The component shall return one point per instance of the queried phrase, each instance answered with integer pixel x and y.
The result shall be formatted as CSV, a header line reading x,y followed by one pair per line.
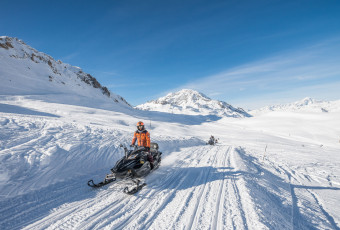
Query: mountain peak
x,y
306,101
182,97
190,92
191,102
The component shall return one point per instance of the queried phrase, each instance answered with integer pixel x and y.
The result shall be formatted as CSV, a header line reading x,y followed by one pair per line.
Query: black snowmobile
x,y
132,166
212,141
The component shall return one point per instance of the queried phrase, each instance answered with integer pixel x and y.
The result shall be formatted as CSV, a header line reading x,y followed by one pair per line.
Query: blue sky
x,y
247,53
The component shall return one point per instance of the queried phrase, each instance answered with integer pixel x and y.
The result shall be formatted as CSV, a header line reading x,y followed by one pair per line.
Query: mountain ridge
x,y
306,104
28,71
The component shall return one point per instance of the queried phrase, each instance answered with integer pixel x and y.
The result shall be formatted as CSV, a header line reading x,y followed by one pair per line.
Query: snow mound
x,y
26,71
191,102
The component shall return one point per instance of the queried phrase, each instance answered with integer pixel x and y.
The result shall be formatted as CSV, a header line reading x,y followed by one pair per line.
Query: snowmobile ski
x,y
135,189
108,179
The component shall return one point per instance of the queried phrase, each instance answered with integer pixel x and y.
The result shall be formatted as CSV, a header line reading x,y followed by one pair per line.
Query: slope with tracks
x,y
196,188
48,156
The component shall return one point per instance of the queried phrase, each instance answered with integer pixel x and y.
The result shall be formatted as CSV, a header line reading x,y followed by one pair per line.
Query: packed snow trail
x,y
196,188
202,187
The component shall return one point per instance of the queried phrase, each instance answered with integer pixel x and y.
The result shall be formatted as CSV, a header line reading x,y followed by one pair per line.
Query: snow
x,y
279,169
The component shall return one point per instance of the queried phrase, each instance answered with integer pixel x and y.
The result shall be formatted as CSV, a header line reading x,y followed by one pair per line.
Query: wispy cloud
x,y
310,68
328,91
69,56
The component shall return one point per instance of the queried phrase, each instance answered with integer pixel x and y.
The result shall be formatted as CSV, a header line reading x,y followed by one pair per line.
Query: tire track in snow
x,y
169,194
202,193
182,198
219,210
141,206
97,208
236,209
97,214
17,211
206,217
305,199
296,215
135,204
326,214
65,215
73,215
239,203
149,215
200,204
167,201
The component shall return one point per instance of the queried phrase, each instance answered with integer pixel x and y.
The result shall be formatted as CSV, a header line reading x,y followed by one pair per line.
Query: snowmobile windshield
x,y
138,149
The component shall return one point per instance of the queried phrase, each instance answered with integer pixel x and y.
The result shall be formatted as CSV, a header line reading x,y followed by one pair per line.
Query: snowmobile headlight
x,y
132,157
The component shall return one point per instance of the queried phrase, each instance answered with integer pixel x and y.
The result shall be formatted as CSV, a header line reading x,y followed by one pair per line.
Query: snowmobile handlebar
x,y
125,149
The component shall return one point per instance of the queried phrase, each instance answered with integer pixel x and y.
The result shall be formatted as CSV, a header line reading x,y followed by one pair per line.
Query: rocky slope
x,y
26,71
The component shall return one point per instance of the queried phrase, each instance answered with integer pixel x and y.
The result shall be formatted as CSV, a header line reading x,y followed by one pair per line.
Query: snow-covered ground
x,y
277,170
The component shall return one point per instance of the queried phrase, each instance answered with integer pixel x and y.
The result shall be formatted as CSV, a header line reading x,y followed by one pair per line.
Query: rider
x,y
143,139
212,139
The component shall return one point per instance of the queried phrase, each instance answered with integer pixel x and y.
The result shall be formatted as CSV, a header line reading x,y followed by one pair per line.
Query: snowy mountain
x,y
187,101
305,105
26,71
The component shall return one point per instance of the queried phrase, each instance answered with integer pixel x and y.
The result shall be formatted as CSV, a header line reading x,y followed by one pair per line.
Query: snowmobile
x,y
212,141
132,166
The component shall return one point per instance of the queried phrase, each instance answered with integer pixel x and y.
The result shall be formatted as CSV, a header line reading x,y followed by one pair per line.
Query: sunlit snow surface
x,y
276,170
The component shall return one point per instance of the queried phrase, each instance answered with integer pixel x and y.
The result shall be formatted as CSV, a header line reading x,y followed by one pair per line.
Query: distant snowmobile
x,y
132,166
212,141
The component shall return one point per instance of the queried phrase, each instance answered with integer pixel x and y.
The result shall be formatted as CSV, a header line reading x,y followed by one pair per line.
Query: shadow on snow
x,y
5,108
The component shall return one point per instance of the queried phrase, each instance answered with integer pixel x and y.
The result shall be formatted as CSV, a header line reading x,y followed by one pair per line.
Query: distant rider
x,y
143,139
212,140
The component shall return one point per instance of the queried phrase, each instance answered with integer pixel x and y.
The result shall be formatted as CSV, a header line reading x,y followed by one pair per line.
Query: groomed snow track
x,y
202,187
201,191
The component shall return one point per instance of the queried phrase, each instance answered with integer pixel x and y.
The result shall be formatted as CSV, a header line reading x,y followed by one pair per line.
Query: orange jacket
x,y
143,138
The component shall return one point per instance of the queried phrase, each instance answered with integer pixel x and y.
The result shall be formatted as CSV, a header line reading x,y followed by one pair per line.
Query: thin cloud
x,y
69,56
316,65
321,92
